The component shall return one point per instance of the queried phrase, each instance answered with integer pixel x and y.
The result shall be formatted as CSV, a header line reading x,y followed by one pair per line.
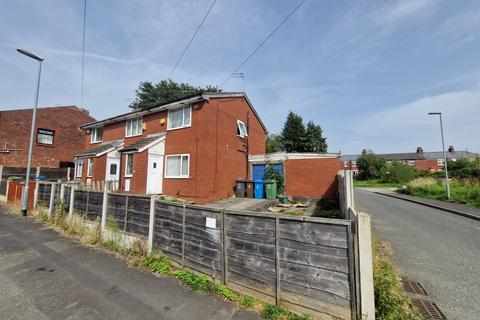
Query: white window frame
x,y
89,167
139,129
94,135
411,163
128,155
241,125
169,127
181,176
79,170
441,162
354,163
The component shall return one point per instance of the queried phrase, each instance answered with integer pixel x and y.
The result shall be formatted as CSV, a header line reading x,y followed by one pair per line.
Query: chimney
x,y
451,149
420,150
364,152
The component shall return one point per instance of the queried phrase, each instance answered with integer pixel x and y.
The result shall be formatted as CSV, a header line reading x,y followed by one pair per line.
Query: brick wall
x,y
68,138
427,165
316,178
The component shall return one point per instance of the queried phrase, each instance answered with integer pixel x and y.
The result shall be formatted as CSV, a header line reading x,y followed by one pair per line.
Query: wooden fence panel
x,y
168,229
95,203
314,266
250,248
202,243
80,202
138,215
44,190
116,210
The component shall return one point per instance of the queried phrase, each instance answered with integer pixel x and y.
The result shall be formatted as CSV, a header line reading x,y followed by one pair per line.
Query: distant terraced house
x,y
429,161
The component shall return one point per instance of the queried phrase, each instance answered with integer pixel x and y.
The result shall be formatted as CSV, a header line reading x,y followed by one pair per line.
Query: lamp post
x,y
30,147
439,114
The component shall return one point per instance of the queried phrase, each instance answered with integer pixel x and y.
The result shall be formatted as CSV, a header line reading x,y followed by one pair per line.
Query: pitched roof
x,y
142,143
100,149
175,103
416,156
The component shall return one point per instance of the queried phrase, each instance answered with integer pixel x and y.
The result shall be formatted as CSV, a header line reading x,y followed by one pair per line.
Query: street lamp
x,y
30,147
444,153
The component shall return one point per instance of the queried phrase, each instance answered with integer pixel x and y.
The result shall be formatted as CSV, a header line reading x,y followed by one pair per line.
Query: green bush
x,y
197,283
370,166
271,312
272,174
391,302
397,172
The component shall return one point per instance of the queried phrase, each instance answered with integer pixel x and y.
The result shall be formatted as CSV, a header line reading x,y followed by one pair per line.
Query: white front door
x,y
155,174
113,171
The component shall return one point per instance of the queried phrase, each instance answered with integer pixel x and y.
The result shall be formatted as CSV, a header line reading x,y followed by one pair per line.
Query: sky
x,y
368,72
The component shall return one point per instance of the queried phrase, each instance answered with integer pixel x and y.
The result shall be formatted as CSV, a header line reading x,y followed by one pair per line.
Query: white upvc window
x,y
241,129
177,166
134,127
179,118
411,163
45,136
129,165
441,162
79,169
89,167
96,135
354,163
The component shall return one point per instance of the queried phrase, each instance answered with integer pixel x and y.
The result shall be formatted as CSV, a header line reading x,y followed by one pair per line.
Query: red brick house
x,y
57,136
194,148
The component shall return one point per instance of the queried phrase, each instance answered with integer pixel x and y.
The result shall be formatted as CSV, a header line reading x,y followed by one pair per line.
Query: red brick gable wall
x,y
316,178
68,139
427,165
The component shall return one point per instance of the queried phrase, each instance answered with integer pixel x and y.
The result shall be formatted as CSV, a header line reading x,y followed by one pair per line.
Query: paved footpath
x,y
46,276
439,249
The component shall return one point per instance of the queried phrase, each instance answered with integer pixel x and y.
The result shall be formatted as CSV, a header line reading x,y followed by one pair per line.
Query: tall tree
x,y
148,95
315,142
273,143
293,133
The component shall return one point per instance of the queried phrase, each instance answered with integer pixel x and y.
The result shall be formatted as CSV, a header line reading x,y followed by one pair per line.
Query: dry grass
x,y
422,182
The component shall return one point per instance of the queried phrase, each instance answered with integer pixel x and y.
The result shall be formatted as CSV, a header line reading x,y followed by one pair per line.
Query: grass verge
x,y
375,183
391,302
466,191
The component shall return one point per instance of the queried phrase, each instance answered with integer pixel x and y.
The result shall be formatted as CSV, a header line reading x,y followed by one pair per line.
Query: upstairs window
x,y
411,163
134,127
96,135
180,118
441,162
241,129
45,136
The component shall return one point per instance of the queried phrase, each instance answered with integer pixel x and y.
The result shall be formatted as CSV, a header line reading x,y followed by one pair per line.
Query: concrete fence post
x,y
367,299
1,172
151,223
62,192
68,173
51,206
104,211
37,173
72,199
35,194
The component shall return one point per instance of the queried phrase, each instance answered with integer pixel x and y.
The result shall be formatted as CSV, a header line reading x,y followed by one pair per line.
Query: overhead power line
x,y
263,42
191,40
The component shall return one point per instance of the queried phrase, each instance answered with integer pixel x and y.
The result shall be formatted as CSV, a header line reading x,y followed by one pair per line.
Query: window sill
x,y
136,135
177,177
91,142
243,137
183,127
131,176
45,145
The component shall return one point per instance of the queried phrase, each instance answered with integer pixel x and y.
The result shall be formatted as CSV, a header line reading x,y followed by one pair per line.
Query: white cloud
x,y
404,127
403,9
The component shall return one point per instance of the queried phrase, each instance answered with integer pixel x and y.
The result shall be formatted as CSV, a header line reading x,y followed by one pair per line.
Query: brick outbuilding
x,y
194,148
306,175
